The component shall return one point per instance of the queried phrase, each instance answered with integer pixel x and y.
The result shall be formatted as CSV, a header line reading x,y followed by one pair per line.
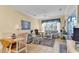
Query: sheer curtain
x,y
51,26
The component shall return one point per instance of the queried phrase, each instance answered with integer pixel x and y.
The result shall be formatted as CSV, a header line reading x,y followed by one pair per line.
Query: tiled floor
x,y
59,47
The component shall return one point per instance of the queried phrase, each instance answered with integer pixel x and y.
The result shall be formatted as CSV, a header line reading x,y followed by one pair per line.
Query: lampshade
x,y
18,27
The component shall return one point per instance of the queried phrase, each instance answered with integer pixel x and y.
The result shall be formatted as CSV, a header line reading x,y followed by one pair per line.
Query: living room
x,y
42,28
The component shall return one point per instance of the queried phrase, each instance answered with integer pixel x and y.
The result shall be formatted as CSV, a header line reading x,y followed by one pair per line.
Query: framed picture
x,y
25,25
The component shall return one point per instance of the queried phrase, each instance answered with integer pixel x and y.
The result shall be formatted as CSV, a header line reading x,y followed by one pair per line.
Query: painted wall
x,y
77,16
10,18
62,21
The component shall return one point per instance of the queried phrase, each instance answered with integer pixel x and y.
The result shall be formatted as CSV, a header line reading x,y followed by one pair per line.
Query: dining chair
x,y
17,45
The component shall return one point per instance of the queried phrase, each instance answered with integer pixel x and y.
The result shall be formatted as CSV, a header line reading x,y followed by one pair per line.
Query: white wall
x,y
10,18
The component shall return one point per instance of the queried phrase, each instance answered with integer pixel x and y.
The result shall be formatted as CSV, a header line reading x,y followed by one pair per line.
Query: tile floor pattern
x,y
59,47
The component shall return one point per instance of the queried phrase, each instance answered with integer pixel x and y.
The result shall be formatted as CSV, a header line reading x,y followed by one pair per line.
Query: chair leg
x,y
9,50
4,50
26,49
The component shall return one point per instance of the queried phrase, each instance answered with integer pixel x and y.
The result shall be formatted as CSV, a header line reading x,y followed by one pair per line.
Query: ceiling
x,y
42,12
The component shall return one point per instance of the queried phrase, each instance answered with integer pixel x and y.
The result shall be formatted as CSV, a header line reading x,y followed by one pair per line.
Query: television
x,y
25,25
75,34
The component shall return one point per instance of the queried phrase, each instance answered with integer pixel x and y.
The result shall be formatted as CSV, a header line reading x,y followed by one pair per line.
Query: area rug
x,y
48,42
63,48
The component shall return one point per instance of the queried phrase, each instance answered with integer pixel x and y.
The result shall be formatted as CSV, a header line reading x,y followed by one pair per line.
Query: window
x,y
71,24
50,26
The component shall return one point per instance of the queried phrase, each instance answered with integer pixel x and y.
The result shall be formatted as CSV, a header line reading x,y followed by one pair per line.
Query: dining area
x,y
13,44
